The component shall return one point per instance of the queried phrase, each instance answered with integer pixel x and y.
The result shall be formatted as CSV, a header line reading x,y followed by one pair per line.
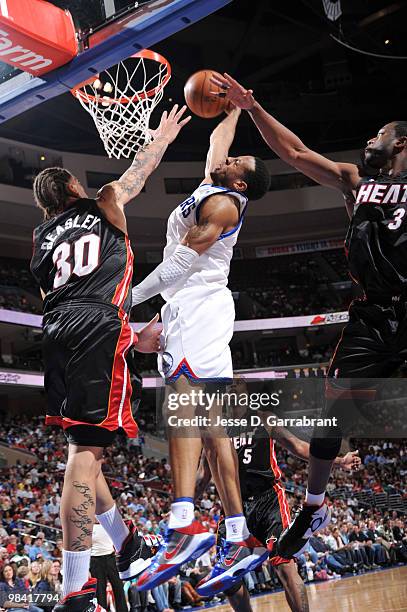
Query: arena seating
x,y
288,285
29,497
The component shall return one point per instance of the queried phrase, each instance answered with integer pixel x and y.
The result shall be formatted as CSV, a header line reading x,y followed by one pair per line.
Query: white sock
x,y
75,567
114,525
314,500
236,528
182,514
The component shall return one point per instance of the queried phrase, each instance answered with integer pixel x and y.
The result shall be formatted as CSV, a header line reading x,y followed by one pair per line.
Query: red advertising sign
x,y
36,36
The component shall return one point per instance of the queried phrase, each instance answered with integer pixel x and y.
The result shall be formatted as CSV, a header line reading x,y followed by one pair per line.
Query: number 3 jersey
x,y
211,269
79,257
376,243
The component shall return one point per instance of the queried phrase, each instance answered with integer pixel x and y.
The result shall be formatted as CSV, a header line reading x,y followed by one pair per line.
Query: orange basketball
x,y
198,97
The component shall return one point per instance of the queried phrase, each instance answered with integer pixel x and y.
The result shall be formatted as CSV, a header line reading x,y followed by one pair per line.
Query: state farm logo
x,y
333,317
23,58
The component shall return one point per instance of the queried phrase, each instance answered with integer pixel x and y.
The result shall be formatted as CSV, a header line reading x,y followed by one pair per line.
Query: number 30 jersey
x,y
376,243
211,269
79,257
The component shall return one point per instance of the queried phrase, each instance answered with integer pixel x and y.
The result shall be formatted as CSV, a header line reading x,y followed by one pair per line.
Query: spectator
x,y
103,567
14,594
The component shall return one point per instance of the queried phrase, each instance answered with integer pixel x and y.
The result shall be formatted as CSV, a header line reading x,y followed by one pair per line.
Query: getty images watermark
x,y
204,409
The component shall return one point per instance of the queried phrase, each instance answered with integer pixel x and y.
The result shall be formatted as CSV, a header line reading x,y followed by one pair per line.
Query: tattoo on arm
x,y
82,516
147,160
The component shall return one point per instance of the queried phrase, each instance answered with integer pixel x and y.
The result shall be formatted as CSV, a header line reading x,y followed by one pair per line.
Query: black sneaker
x,y
310,519
80,601
135,554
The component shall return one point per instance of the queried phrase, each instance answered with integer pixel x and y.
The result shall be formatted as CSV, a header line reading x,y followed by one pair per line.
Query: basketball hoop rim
x,y
145,54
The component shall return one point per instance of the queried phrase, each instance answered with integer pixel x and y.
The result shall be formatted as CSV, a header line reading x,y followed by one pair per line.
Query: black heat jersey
x,y
376,242
79,257
258,469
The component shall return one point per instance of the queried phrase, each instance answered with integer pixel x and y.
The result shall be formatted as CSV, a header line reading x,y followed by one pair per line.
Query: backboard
x,y
108,31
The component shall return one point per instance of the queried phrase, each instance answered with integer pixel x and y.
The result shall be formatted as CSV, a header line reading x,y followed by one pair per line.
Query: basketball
x,y
198,97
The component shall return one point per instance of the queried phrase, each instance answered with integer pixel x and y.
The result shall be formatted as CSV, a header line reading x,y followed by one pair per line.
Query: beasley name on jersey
x,y
78,255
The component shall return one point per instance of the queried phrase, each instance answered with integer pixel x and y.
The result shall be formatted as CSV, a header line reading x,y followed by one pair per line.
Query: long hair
x,y
51,191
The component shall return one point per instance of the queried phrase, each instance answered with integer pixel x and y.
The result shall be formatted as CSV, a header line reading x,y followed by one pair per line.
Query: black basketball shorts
x,y
267,516
87,378
374,341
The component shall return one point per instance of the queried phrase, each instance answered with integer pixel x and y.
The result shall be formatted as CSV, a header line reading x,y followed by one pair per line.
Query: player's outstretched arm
x,y
217,214
114,196
220,142
286,144
299,448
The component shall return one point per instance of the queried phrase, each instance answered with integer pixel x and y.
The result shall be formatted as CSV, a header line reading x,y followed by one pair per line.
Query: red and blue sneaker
x,y
235,559
179,547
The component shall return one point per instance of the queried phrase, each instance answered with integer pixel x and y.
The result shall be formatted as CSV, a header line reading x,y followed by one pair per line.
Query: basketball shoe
x,y
179,547
135,554
234,560
80,601
308,520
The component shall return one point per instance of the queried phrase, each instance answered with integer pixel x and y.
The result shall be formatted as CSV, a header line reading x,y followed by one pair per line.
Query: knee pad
x,y
325,448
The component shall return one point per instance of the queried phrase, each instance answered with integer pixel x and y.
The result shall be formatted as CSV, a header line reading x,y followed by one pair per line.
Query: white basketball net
x,y
120,101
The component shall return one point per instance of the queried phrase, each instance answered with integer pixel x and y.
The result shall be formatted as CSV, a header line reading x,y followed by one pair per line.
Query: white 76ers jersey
x,y
211,269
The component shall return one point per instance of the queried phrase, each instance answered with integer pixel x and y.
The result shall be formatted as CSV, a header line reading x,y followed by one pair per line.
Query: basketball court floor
x,y
383,590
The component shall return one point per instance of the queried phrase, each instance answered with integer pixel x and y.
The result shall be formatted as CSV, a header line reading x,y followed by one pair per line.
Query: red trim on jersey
x,y
181,365
122,288
273,461
120,387
275,561
53,420
282,502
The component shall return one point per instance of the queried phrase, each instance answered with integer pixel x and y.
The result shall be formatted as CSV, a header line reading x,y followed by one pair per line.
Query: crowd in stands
x,y
283,286
361,536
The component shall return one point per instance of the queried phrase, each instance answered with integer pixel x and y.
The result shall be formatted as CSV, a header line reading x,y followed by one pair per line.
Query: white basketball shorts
x,y
197,329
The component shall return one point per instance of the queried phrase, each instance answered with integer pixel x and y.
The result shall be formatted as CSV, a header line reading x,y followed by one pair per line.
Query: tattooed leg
x,y
78,502
294,588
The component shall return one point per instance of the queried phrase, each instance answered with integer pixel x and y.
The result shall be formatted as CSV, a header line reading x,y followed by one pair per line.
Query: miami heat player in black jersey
x,y
374,342
263,493
83,262
80,257
84,266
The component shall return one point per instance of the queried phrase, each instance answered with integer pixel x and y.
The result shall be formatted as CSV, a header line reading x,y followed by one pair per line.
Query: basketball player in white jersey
x,y
198,323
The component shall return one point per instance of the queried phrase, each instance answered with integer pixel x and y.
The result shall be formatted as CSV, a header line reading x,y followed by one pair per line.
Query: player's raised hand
x,y
233,91
351,461
149,337
171,124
